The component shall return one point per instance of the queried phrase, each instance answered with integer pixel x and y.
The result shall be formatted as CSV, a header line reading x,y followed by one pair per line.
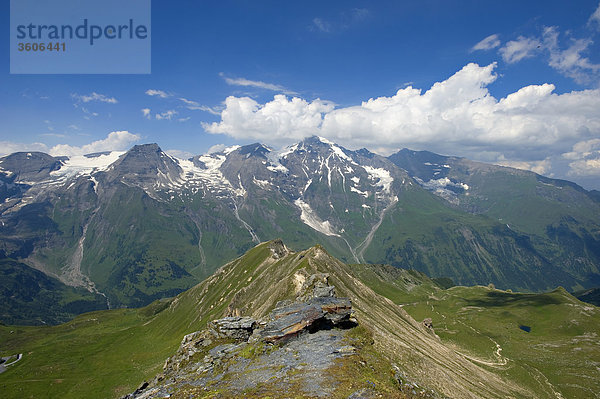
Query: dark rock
x,y
278,249
364,393
428,323
235,327
312,315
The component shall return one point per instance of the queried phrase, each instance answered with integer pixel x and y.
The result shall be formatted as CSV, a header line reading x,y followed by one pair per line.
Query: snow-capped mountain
x,y
142,224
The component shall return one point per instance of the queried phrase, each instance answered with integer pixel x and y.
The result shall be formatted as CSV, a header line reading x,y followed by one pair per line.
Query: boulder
x,y
290,320
239,328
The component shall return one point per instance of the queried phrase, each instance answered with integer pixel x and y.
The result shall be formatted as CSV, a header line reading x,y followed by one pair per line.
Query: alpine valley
x,y
111,230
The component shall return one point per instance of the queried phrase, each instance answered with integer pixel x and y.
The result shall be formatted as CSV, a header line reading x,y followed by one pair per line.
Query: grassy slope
x,y
559,354
422,233
106,354
31,297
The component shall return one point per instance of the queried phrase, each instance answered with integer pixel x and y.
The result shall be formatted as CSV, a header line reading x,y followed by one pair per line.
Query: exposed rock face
x,y
278,249
204,357
239,328
428,323
293,319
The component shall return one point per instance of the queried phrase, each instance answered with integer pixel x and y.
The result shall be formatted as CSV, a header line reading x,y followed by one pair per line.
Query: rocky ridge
x,y
294,345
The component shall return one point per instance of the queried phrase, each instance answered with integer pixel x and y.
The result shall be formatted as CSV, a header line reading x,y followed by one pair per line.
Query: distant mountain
x,y
590,296
141,225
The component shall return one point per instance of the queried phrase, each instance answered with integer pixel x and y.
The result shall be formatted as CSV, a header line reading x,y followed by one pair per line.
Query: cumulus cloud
x,y
516,50
457,116
540,167
585,157
115,141
146,112
8,147
490,42
180,154
86,98
216,148
157,93
280,120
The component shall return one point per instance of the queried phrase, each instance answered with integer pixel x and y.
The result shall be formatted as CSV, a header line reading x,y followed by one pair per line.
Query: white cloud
x,y
595,18
279,120
539,167
344,20
168,115
490,42
570,61
158,93
586,158
255,83
195,106
86,98
187,118
456,116
8,147
180,154
216,148
146,112
516,50
115,141
585,167
321,25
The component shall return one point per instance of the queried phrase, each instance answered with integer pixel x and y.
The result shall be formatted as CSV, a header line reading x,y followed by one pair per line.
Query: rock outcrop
x,y
309,334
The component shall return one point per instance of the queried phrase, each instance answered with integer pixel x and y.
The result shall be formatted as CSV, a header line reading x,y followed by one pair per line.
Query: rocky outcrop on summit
x,y
236,354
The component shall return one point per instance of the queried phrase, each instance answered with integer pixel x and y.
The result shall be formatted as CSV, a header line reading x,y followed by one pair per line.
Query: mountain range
x,y
122,229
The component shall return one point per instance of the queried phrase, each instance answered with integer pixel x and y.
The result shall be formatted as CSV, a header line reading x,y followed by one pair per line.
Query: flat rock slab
x,y
233,327
290,320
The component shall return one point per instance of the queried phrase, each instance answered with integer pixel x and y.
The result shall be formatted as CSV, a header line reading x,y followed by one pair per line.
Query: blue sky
x,y
514,83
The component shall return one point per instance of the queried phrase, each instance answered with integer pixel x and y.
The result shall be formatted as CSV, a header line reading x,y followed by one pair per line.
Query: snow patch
x,y
363,193
444,182
261,183
355,179
381,176
310,218
231,149
86,165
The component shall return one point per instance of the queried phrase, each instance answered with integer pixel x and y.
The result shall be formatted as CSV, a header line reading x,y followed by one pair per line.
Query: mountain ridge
x,y
140,225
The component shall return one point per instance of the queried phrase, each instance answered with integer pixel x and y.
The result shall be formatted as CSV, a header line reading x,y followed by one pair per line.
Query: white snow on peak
x,y
381,176
324,140
310,218
86,165
355,179
231,149
286,151
209,179
275,157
